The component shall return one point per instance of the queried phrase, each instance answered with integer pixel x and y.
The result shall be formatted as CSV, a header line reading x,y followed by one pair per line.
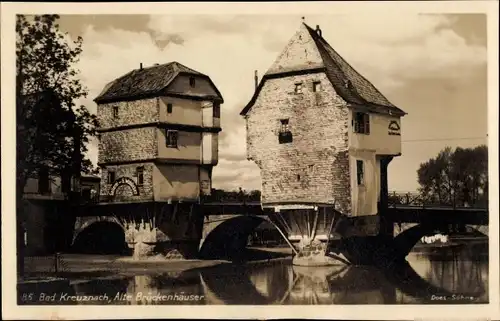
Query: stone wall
x,y
129,170
314,167
134,112
128,144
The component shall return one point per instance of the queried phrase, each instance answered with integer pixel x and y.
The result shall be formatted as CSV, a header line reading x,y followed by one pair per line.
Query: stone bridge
x,y
212,235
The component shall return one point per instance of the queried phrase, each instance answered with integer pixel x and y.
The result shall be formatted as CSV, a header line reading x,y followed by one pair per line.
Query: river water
x,y
432,276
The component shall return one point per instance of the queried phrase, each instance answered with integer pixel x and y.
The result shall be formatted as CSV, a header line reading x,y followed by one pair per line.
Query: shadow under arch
x,y
406,240
101,237
381,250
229,239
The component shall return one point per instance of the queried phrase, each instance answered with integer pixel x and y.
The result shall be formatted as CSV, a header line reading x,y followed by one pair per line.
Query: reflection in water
x,y
424,279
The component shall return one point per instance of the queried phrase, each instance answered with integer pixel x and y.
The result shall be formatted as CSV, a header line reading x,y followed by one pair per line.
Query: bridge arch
x,y
406,240
227,236
99,235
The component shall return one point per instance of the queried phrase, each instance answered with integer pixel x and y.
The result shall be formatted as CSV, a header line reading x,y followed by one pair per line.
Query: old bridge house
x,y
158,144
322,136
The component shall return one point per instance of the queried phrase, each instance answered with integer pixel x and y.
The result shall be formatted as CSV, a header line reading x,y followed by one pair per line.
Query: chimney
x,y
256,78
318,30
140,66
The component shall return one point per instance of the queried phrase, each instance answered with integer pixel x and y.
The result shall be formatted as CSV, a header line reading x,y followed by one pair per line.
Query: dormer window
x,y
316,86
361,123
298,88
284,134
192,82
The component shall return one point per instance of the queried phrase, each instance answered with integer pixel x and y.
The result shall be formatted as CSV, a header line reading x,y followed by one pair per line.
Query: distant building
x,y
319,131
158,130
47,217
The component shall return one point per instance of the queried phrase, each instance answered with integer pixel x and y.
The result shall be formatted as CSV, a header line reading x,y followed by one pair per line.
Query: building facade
x,y
158,144
319,132
158,134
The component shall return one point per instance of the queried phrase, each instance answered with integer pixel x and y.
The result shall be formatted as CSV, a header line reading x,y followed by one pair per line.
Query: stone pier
x,y
165,231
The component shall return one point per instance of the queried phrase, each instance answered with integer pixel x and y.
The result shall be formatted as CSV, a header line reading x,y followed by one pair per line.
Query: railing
x,y
231,198
395,199
416,199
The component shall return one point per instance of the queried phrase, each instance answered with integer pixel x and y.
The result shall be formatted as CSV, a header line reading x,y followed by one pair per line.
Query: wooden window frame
x,y
284,134
116,112
299,87
317,86
175,138
216,110
360,172
361,123
140,175
111,177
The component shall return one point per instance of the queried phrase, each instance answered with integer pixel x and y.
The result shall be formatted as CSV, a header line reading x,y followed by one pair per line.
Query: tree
x,y
456,178
52,132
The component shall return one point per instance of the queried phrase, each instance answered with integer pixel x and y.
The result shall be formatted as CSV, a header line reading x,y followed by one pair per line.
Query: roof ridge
x,y
350,66
145,81
350,84
344,68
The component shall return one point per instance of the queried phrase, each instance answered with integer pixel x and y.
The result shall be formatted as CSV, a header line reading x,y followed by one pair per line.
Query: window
x,y
217,110
361,123
140,175
284,125
192,82
86,194
298,88
171,139
317,86
360,170
111,177
284,134
43,181
115,111
169,108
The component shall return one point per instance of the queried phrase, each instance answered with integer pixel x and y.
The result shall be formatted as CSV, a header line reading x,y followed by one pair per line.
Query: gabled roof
x,y
146,82
321,57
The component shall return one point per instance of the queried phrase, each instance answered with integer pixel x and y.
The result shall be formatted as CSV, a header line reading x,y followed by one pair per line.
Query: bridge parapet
x,y
420,200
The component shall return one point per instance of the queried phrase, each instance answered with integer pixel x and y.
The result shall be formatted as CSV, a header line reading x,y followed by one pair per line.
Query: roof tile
x,y
143,81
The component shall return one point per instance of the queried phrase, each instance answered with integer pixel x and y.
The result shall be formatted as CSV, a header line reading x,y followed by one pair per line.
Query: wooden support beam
x,y
315,224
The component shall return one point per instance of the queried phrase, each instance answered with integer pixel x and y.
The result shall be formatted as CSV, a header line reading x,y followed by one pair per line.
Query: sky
x,y
434,67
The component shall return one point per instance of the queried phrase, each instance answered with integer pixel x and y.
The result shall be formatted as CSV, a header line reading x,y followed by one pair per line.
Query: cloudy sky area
x,y
431,66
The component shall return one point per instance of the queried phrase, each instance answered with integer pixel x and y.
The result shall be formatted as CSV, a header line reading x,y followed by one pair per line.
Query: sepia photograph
x,y
317,157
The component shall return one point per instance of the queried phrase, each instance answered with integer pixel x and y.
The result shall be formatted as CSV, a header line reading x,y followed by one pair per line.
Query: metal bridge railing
x,y
416,199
